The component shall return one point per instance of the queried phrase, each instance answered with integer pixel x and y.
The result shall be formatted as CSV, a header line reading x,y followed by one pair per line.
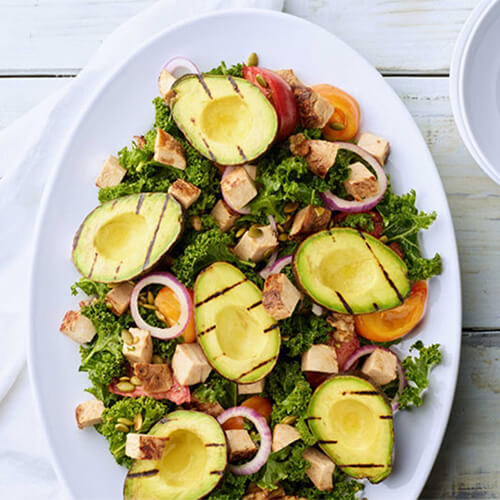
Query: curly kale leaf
x,y
90,288
222,69
230,487
344,488
357,221
340,171
217,389
301,331
417,371
151,411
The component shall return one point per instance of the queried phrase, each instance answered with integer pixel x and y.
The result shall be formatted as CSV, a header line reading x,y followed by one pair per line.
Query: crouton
x,y
141,348
321,470
224,216
283,435
184,192
320,358
144,446
154,377
238,188
361,183
169,151
381,366
118,298
376,146
89,413
239,444
77,327
255,388
111,174
280,296
309,220
256,244
189,364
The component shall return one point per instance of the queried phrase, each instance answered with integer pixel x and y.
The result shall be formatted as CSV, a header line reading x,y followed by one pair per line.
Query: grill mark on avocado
x,y
117,270
146,473
139,203
204,85
253,306
155,234
113,205
207,330
382,268
235,86
192,120
375,306
344,302
270,328
213,444
241,152
93,265
312,418
76,239
327,441
361,393
385,417
217,472
256,367
220,292
212,156
362,466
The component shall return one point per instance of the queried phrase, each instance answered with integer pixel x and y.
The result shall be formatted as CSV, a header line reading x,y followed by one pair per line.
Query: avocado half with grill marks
x,y
351,272
192,464
352,421
125,237
240,340
227,119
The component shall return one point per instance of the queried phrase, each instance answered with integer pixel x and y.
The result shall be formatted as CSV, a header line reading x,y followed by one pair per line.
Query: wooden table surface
x,y
44,43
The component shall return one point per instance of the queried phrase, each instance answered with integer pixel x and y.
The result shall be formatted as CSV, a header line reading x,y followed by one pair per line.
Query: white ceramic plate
x,y
121,108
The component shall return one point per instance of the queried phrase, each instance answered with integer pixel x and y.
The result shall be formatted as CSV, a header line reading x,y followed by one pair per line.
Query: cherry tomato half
x,y
344,123
394,323
378,223
258,403
281,96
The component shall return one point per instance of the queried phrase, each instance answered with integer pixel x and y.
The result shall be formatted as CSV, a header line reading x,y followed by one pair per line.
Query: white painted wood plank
x,y
44,36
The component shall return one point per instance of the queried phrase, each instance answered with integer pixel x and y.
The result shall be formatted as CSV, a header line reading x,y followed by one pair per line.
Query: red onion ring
x,y
180,292
260,459
278,266
179,66
334,202
266,271
244,210
273,225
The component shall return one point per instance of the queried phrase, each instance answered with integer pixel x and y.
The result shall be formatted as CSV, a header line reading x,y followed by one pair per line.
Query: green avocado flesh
x,y
353,424
192,464
227,119
124,237
240,340
351,272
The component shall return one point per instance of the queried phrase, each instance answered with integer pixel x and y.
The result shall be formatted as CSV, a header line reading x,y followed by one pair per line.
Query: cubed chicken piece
x,y
320,358
111,174
144,446
213,409
189,364
240,444
253,492
251,171
89,413
169,151
381,366
376,146
361,183
184,192
256,244
238,188
290,77
283,435
77,327
310,220
141,348
118,298
224,216
154,377
299,145
321,157
321,470
165,82
255,388
280,296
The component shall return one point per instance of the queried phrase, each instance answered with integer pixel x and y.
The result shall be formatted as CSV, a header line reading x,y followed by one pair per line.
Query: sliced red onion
x,y
317,310
259,460
334,202
180,292
243,210
179,66
266,271
278,266
272,223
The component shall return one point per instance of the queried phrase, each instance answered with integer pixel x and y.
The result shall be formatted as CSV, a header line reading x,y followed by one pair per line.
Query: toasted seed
x,y
255,232
283,237
157,360
290,207
151,298
288,224
124,379
160,316
135,380
121,428
240,232
125,421
260,80
127,337
319,210
268,253
384,239
125,386
138,422
280,228
336,126
253,59
290,419
196,222
150,307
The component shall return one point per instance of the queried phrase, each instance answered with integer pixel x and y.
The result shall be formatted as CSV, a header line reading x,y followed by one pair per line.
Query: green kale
x,y
165,348
230,487
361,221
151,411
305,433
301,331
340,171
312,133
402,223
222,69
217,389
344,488
417,371
90,288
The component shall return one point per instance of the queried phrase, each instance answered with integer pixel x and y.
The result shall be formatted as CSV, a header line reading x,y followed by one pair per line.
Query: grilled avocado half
x,y
193,461
125,237
239,338
227,119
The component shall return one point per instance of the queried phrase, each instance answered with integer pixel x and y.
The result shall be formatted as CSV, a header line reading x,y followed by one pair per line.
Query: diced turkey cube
x,y
290,77
154,377
224,216
376,146
77,327
255,388
240,444
319,155
280,296
321,470
256,245
283,435
144,446
165,82
213,409
320,358
238,188
111,174
169,151
381,366
184,192
141,348
190,365
251,171
89,413
118,298
309,220
361,183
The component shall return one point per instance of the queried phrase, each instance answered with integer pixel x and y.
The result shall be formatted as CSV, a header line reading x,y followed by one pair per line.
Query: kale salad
x,y
246,276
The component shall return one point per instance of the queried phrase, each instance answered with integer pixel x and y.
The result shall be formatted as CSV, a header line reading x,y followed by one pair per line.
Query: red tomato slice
x,y
281,96
258,403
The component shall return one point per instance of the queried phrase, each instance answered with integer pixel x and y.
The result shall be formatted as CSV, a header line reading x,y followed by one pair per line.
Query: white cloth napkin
x,y
28,150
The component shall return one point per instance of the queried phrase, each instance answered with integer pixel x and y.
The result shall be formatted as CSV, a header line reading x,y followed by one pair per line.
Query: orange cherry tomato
x,y
394,323
258,403
344,123
168,304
